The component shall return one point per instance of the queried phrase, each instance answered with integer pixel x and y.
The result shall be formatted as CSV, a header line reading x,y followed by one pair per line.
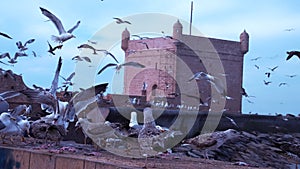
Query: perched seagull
x,y
268,74
63,34
120,21
108,53
67,81
51,49
144,44
83,58
5,35
95,130
254,59
119,66
145,85
22,47
8,126
273,69
267,82
4,105
292,53
212,141
282,84
134,127
87,46
149,134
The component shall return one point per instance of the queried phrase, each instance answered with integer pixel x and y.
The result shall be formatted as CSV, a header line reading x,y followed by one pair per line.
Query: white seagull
x,y
119,66
63,34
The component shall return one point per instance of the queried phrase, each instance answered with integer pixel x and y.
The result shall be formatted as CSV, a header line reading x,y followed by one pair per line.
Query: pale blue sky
x,y
265,21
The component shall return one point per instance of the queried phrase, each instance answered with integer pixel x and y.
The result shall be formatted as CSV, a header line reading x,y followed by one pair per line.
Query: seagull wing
x,y
290,54
74,27
9,94
86,59
19,45
5,35
4,55
77,58
118,19
71,76
113,57
29,41
135,64
127,22
54,19
108,65
54,84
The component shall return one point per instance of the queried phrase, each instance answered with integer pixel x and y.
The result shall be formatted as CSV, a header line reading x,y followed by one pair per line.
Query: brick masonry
x,y
170,62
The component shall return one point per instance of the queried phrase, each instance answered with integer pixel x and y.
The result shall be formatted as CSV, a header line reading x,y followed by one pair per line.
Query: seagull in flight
x,y
52,49
268,74
67,81
108,53
63,34
12,60
282,84
22,47
5,35
140,37
232,121
87,46
257,67
292,53
267,82
273,69
83,58
119,66
144,44
215,81
291,76
120,21
289,29
254,59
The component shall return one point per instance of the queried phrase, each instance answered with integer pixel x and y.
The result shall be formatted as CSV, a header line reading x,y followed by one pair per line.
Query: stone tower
x,y
125,39
244,40
177,30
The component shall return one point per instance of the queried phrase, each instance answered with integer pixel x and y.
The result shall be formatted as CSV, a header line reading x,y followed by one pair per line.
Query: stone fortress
x,y
171,61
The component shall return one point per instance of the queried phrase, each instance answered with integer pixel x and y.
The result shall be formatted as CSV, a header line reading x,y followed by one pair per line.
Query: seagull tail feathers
x,y
55,39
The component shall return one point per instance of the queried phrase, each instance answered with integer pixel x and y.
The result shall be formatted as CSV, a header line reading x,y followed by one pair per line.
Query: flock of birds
x,y
56,114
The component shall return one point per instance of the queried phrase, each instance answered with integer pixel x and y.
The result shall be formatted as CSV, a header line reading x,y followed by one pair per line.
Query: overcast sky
x,y
266,22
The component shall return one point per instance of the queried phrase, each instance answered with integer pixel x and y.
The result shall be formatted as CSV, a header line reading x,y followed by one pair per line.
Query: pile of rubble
x,y
252,149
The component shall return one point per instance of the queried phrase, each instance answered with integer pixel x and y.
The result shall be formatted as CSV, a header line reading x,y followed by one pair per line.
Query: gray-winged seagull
x,y
63,34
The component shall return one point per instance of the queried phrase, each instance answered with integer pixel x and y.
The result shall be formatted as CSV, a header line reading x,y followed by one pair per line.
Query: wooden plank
x,y
65,162
8,158
89,165
22,159
42,161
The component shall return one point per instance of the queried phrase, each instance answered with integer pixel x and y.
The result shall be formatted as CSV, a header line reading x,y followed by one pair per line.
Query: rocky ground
x,y
242,150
